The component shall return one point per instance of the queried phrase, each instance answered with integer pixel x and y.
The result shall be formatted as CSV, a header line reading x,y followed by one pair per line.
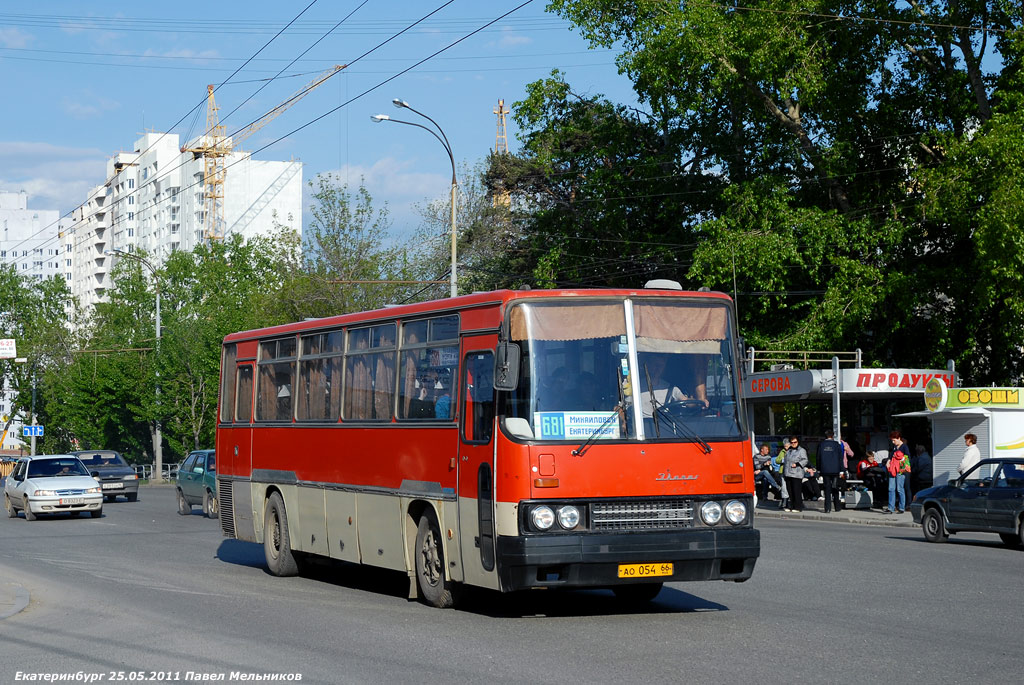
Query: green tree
x,y
797,140
346,256
33,313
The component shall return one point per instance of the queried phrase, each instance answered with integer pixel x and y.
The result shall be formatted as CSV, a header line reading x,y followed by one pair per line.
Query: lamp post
x,y
443,139
158,440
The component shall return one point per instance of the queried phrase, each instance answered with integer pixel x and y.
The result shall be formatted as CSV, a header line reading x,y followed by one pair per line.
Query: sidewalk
x,y
815,511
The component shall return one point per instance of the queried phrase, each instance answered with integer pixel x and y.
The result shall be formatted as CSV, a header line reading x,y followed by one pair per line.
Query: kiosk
x,y
995,415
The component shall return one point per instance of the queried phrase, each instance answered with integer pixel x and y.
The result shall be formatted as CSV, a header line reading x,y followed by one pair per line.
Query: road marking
x,y
13,599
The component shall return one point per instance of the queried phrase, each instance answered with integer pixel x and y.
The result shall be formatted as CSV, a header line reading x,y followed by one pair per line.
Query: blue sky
x,y
85,79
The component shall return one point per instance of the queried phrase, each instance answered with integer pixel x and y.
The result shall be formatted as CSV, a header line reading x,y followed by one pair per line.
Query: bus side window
x,y
478,395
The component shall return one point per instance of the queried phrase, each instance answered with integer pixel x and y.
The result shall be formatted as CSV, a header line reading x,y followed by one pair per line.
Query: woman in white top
x,y
971,455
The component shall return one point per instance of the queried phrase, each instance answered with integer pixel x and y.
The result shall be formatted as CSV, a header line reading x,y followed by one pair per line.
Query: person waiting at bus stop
x,y
830,464
794,470
764,477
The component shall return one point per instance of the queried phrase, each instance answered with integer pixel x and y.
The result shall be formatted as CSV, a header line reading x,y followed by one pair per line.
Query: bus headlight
x,y
542,517
711,513
568,517
735,512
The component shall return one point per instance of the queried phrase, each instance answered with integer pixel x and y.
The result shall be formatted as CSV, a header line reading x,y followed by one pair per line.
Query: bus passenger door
x,y
476,462
239,454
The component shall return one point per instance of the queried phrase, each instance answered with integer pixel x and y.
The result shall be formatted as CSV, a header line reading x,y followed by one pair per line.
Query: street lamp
x,y
158,445
443,139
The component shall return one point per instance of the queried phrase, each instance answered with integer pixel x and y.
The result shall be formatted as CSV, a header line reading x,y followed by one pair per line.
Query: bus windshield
x,y
633,369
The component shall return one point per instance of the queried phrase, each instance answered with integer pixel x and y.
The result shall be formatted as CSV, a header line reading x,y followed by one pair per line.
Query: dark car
x,y
116,477
988,498
197,483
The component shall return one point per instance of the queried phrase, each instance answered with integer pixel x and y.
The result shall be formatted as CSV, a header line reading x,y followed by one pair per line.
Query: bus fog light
x,y
711,513
542,517
735,512
568,517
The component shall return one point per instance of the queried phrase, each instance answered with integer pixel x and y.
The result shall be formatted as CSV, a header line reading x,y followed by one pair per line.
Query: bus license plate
x,y
72,500
644,570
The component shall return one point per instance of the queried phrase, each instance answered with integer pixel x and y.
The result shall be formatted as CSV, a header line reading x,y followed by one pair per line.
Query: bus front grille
x,y
645,515
227,510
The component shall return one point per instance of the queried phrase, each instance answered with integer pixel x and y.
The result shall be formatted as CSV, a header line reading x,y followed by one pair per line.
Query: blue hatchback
x,y
197,483
989,498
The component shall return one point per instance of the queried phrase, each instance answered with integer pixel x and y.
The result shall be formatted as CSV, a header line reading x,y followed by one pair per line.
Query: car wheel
x,y
637,593
1010,539
210,505
1020,531
96,513
435,589
12,513
108,498
933,527
184,508
132,496
277,545
29,514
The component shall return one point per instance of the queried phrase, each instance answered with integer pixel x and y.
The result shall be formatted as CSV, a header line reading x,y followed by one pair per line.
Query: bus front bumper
x,y
593,560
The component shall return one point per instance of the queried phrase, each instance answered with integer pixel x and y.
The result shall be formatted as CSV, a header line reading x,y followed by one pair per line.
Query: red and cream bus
x,y
507,440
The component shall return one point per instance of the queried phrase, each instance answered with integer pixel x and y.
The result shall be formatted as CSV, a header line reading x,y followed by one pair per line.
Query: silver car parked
x,y
51,484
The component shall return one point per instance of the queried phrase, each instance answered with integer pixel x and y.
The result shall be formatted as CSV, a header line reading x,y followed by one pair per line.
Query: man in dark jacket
x,y
830,464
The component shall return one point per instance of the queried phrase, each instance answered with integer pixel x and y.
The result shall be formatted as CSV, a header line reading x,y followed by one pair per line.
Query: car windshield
x,y
102,459
66,466
644,368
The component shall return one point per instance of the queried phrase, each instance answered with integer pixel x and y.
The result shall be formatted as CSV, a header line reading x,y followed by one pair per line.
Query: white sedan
x,y
52,484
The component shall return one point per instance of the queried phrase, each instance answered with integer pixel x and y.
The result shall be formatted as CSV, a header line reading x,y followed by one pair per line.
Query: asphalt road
x,y
143,590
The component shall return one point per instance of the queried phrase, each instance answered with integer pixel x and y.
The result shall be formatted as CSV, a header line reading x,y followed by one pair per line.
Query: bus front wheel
x,y
277,545
435,588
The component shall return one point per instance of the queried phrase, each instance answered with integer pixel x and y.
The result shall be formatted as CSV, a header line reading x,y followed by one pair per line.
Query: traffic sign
x,y
32,431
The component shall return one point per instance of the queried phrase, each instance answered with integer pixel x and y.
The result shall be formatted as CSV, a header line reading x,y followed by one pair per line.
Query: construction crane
x,y
214,146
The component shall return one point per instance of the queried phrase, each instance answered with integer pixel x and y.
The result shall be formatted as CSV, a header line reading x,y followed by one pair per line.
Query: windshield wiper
x,y
616,413
677,424
680,427
654,403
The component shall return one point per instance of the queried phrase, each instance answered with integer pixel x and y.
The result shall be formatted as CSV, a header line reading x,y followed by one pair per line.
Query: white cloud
x,y
13,38
54,177
510,41
184,54
397,183
88,105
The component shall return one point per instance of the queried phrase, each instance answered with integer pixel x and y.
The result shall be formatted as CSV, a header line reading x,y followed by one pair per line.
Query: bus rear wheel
x,y
277,546
435,588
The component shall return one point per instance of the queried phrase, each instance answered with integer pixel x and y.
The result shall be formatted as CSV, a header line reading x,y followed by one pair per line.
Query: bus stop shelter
x,y
864,388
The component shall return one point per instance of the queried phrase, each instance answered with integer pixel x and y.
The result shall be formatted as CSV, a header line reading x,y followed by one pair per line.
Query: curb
x,y
13,599
866,518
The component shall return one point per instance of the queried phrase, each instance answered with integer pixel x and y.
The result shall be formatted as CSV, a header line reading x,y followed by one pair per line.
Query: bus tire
x,y
277,546
637,593
435,588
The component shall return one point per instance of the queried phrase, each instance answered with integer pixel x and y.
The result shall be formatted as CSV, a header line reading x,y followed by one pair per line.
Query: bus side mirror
x,y
506,366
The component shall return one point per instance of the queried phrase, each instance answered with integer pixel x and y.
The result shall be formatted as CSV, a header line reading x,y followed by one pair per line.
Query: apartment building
x,y
153,200
30,242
